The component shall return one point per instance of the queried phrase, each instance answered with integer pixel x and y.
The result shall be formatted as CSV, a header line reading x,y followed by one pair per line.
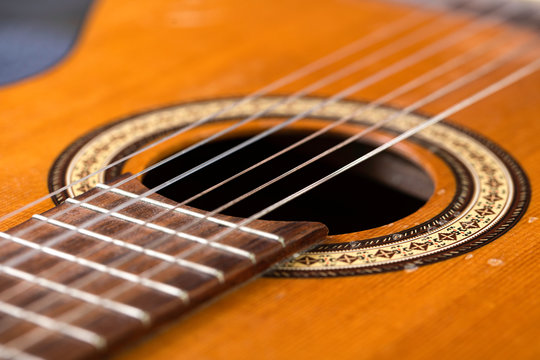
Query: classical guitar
x,y
373,165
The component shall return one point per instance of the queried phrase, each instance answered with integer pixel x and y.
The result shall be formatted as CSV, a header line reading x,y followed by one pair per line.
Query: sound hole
x,y
379,191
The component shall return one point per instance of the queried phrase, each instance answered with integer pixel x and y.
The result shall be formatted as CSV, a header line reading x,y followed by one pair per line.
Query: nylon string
x,y
495,87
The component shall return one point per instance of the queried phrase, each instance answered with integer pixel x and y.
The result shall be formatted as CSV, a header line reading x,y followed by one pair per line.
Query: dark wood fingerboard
x,y
71,291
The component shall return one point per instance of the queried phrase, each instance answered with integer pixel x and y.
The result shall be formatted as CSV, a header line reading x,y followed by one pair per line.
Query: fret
x,y
61,327
124,275
198,239
184,211
156,269
120,308
7,352
137,248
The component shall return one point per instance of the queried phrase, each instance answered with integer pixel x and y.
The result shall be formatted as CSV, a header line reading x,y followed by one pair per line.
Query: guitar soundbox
x,y
372,167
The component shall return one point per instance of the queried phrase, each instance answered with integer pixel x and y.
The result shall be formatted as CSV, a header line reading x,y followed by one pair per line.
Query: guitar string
x,y
23,257
227,205
407,110
453,86
515,76
452,63
510,79
310,88
408,22
342,56
29,253
19,233
437,94
332,99
368,60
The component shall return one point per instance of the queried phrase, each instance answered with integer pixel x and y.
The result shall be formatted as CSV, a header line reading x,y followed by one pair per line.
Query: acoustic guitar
x,y
373,165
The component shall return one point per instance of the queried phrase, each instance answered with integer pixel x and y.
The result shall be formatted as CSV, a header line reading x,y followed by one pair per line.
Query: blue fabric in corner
x,y
36,34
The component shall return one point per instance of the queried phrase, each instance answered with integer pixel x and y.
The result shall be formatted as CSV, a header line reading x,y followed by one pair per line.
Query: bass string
x,y
364,42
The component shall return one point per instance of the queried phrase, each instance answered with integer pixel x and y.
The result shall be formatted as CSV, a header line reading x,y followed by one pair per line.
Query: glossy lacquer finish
x,y
130,59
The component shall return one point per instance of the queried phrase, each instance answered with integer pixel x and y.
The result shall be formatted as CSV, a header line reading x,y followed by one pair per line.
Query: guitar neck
x,y
101,285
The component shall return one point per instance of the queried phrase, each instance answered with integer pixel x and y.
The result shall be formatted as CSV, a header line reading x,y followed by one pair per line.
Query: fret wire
x,y
155,285
37,334
61,327
139,249
115,306
166,230
191,213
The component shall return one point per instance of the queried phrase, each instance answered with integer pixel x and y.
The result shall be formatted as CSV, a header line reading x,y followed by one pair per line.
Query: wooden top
x,y
134,58
129,273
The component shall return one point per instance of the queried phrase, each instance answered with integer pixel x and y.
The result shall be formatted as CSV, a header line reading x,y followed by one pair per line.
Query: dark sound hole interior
x,y
379,191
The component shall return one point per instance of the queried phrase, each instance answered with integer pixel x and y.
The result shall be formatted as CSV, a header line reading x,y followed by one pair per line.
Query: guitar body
x,y
133,58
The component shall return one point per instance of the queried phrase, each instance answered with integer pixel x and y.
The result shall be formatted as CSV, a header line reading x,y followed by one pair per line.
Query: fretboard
x,y
72,291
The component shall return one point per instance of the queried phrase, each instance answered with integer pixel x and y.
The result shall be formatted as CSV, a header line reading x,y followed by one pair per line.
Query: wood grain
x,y
115,326
133,58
